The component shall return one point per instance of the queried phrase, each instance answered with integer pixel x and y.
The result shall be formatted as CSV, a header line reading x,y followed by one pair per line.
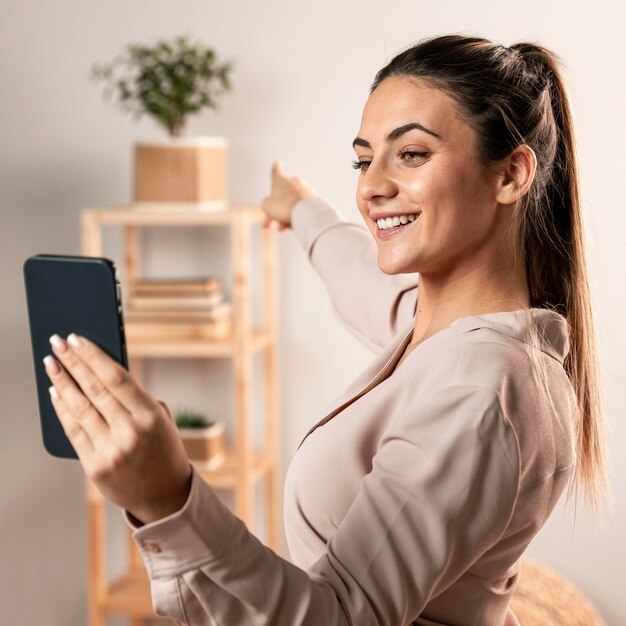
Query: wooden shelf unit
x,y
244,466
162,348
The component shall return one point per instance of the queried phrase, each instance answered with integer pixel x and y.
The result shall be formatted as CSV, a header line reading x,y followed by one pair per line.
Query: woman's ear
x,y
516,175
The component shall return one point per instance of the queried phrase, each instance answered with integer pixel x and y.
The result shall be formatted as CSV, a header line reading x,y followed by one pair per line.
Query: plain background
x,y
301,79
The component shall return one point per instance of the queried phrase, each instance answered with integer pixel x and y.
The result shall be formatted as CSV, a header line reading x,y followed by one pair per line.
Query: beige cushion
x,y
545,598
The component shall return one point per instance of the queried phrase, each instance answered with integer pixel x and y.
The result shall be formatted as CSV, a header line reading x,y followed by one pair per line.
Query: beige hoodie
x,y
412,500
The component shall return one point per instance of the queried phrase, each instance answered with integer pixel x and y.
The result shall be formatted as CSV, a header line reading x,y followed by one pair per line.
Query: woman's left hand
x,y
127,442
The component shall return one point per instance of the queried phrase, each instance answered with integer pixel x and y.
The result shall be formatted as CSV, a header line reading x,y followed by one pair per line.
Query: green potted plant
x,y
203,439
170,81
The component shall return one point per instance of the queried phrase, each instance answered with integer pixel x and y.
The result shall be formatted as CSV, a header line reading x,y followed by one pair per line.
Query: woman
x,y
413,500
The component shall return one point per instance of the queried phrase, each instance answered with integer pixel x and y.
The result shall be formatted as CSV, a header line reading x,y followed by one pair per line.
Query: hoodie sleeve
x,y
372,305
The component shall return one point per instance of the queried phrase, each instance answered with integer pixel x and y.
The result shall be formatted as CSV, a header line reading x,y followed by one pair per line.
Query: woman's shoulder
x,y
534,394
488,357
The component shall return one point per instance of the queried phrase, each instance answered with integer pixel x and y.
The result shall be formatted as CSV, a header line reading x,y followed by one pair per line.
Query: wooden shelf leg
x,y
97,570
132,257
91,235
135,367
242,366
270,375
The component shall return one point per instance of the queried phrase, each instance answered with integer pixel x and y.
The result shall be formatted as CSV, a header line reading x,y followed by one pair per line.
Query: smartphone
x,y
68,294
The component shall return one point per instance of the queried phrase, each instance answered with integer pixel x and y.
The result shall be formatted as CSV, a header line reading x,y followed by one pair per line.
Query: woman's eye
x,y
410,154
359,165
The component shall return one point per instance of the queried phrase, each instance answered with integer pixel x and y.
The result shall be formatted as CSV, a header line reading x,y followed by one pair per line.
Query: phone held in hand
x,y
68,294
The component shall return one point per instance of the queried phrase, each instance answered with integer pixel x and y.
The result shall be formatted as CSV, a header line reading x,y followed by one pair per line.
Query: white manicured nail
x,y
74,341
57,342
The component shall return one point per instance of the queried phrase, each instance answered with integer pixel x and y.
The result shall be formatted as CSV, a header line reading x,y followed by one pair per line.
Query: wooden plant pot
x,y
204,446
186,171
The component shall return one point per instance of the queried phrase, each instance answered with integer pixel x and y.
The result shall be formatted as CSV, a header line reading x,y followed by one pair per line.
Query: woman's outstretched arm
x,y
373,305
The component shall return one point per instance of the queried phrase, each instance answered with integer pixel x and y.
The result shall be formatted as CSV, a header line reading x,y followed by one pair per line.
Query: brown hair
x,y
513,96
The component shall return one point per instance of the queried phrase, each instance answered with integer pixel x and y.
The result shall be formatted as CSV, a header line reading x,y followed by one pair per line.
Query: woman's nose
x,y
376,182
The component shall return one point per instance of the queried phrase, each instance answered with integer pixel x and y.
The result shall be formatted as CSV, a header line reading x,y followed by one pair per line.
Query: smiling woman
x,y
413,500
468,181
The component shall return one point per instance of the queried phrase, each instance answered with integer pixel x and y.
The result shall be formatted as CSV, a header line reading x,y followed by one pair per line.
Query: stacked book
x,y
177,309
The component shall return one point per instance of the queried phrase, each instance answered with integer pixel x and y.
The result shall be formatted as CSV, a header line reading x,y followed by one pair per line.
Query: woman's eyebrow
x,y
394,134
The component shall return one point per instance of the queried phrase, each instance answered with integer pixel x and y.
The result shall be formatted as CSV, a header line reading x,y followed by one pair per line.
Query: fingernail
x,y
51,365
74,341
53,392
58,343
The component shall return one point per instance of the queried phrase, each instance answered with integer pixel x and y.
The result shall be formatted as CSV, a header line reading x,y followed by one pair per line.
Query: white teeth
x,y
396,220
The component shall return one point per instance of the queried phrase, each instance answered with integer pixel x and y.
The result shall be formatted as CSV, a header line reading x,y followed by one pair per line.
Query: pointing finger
x,y
277,169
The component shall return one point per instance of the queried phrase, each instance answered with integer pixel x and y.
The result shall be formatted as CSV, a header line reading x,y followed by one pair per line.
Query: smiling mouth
x,y
390,218
385,233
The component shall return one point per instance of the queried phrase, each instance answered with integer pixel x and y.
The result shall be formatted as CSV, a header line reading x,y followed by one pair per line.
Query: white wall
x,y
302,77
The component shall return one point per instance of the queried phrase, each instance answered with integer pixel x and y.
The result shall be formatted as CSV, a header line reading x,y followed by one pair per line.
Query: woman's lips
x,y
390,232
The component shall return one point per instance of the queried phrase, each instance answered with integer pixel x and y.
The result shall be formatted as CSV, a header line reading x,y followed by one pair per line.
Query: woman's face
x,y
408,170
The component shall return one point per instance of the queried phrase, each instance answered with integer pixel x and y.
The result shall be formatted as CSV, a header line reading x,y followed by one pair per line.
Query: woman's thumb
x,y
167,410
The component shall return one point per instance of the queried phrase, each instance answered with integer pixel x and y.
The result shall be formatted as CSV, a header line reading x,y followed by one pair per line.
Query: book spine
x,y
168,287
216,330
154,317
173,302
216,308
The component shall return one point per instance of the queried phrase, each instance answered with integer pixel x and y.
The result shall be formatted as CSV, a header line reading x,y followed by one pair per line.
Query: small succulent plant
x,y
190,418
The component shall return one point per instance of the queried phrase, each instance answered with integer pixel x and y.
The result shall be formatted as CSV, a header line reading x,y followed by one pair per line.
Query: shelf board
x,y
225,476
222,477
130,595
184,348
131,215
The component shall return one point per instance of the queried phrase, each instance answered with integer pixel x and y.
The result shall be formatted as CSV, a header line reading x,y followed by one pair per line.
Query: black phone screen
x,y
68,294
